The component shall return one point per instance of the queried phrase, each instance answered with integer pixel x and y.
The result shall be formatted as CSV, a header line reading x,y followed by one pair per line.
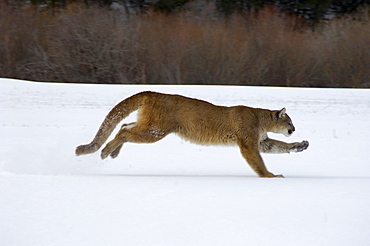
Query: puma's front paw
x,y
271,175
299,147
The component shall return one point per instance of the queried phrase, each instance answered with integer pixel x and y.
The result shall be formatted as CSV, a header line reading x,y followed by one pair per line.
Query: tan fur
x,y
199,122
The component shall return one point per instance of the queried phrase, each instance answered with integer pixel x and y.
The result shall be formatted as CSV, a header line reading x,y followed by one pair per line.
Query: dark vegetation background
x,y
278,43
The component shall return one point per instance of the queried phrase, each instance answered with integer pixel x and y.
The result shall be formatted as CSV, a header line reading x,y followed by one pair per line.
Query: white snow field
x,y
173,192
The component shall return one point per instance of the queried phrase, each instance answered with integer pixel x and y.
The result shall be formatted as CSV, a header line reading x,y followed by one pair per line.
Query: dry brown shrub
x,y
97,45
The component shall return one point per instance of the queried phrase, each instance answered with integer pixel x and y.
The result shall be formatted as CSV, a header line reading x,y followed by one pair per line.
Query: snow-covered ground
x,y
173,192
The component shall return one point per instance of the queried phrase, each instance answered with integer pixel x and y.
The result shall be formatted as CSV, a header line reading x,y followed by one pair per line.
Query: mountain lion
x,y
197,121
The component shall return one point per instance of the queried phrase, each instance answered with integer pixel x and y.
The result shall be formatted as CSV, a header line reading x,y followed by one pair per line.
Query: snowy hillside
x,y
175,193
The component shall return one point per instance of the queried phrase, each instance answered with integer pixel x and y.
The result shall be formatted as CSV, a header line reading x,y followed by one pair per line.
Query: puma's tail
x,y
117,114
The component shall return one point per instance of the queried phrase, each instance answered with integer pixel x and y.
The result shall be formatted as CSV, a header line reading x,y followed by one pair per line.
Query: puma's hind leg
x,y
134,133
269,145
115,152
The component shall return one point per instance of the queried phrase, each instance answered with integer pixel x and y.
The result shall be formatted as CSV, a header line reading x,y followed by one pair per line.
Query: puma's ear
x,y
281,113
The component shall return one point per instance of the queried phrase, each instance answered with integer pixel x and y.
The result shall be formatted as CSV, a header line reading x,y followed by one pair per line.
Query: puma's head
x,y
284,124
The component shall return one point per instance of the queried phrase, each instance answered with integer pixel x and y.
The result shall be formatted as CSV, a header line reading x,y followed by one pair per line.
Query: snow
x,y
173,192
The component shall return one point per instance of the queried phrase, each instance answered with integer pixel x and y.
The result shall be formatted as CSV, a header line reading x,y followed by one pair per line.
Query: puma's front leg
x,y
254,159
269,145
299,147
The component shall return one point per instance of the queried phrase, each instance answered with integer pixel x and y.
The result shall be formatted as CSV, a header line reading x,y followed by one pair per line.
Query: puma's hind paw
x,y
115,153
105,153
